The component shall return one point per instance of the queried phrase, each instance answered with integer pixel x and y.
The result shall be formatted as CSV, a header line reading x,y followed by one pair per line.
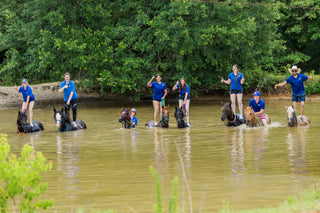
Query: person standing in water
x,y
298,92
236,79
159,93
70,95
28,98
184,95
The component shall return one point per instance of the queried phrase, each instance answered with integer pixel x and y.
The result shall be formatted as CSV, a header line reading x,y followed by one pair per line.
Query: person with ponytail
x,y
236,79
184,95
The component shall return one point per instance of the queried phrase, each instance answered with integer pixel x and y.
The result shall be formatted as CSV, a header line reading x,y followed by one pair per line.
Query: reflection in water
x,y
297,155
237,154
161,152
68,163
259,147
183,145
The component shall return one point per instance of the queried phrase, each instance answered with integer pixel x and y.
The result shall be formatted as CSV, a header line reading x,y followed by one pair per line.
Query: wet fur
x,y
164,123
179,115
125,118
229,117
24,127
294,120
252,119
66,124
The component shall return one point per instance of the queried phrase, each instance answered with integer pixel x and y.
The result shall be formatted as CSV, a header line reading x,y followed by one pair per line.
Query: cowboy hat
x,y
294,67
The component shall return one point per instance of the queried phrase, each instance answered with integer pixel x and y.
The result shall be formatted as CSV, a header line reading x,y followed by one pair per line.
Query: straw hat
x,y
294,67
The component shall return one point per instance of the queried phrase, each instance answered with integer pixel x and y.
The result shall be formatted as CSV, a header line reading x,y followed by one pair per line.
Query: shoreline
x,y
47,95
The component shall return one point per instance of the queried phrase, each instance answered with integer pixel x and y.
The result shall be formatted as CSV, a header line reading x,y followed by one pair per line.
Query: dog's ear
x,y
162,106
251,107
61,109
176,107
18,112
222,103
54,109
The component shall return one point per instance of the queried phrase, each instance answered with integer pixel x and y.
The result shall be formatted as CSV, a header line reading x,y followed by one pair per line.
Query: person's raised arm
x,y
175,86
280,84
310,77
16,88
149,83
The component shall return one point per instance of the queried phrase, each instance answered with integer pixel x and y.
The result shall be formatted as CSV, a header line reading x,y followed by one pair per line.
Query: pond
x,y
106,167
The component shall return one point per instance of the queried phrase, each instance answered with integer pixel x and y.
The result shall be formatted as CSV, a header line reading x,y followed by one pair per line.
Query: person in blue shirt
x,y
236,79
184,95
70,95
28,98
159,92
298,92
134,120
258,107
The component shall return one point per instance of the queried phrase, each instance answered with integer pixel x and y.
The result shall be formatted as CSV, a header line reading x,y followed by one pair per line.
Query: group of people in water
x,y
235,80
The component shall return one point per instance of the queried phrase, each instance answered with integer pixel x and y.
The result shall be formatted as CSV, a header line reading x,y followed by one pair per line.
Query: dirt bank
x,y
47,95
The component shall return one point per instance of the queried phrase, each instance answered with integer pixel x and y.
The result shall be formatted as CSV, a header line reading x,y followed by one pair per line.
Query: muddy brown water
x,y
106,167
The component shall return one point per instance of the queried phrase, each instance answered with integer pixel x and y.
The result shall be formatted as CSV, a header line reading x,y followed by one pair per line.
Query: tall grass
x,y
173,204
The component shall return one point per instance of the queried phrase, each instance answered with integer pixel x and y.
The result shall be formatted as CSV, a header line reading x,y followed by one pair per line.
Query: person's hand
x,y
15,87
152,78
222,80
184,102
275,86
177,82
65,86
24,110
68,103
163,97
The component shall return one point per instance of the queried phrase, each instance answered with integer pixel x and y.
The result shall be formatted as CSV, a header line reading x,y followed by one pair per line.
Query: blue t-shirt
x,y
134,120
27,92
297,83
182,93
257,107
235,85
67,91
158,90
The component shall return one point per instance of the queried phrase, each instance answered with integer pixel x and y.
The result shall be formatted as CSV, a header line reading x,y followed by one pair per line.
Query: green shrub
x,y
20,178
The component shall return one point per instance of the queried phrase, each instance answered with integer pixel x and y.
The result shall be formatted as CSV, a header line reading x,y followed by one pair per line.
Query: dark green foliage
x,y
116,46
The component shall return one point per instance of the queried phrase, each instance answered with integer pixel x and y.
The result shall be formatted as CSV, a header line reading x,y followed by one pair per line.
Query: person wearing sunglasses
x,y
298,92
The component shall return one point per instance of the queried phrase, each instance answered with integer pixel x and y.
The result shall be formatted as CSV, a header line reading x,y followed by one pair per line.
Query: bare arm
x,y
165,94
185,98
16,88
61,90
27,102
280,84
242,81
260,112
226,82
175,86
149,83
70,96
